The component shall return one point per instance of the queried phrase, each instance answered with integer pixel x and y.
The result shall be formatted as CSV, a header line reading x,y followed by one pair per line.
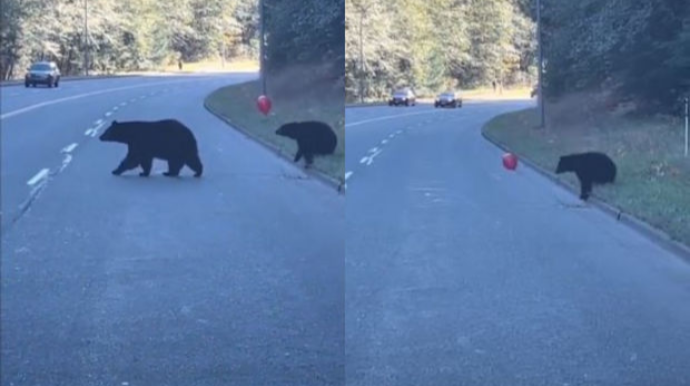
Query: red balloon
x,y
510,161
264,104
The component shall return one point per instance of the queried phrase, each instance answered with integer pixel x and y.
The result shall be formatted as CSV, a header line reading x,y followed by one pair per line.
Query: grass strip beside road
x,y
237,103
653,178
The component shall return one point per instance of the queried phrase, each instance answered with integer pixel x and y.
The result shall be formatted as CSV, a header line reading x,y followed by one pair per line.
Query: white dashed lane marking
x,y
385,141
66,161
370,159
115,108
38,177
109,113
123,104
348,175
94,130
69,148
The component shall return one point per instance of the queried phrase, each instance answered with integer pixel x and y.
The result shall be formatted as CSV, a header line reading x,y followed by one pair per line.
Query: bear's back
x,y
596,166
162,136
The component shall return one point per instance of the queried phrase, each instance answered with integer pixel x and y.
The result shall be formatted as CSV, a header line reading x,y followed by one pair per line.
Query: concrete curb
x,y
11,83
659,237
316,174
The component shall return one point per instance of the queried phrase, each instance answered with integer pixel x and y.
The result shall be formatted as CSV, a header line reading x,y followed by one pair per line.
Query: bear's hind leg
x,y
310,160
174,167
195,164
128,163
146,164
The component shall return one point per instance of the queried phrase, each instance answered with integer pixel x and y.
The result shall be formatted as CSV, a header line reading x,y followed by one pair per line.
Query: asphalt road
x,y
459,272
232,279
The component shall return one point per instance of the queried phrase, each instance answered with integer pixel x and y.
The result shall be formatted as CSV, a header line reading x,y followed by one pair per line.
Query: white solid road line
x,y
69,148
386,117
86,95
38,177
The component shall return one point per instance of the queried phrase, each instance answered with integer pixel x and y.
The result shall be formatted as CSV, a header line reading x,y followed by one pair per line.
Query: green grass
x,y
238,104
653,182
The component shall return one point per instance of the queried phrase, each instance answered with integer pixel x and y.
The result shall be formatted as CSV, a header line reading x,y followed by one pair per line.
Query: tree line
x,y
123,35
632,50
432,45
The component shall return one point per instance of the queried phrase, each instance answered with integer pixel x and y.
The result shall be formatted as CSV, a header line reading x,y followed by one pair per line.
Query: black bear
x,y
590,168
166,139
313,138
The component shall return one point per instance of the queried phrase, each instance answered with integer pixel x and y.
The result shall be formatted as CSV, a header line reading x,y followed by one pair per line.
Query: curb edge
x,y
658,236
316,174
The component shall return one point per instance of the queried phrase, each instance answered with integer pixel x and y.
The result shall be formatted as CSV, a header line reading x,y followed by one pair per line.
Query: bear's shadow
x,y
156,177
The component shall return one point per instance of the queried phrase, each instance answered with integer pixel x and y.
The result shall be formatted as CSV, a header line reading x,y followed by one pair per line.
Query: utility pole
x,y
86,37
687,117
540,92
361,55
262,48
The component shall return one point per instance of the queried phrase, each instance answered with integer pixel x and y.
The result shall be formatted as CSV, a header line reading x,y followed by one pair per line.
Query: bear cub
x,y
313,138
167,139
590,168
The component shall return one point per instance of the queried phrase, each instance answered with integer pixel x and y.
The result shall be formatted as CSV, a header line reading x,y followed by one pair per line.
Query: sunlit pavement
x,y
459,272
232,279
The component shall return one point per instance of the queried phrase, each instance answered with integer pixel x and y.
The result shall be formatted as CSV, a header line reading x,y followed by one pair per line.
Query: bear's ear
x,y
114,122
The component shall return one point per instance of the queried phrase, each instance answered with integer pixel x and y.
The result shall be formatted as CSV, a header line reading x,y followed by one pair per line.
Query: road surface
x,y
232,279
459,272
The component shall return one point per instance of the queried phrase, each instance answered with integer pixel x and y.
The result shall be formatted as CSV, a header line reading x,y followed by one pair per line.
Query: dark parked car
x,y
448,99
403,97
46,73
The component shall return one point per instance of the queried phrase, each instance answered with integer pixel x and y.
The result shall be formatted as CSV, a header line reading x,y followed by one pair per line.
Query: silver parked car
x,y
404,97
448,99
46,73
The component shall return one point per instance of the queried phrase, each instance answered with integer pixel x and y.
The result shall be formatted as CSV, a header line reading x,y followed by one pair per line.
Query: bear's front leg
x,y
585,189
146,164
298,156
127,164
